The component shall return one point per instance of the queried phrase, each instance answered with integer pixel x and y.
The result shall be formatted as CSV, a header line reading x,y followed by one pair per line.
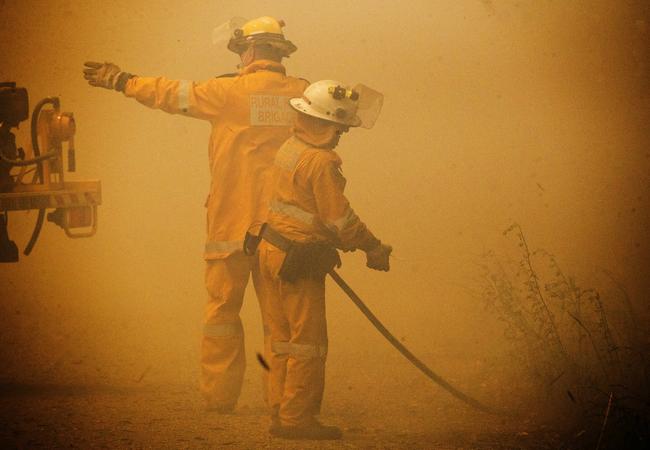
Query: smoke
x,y
494,112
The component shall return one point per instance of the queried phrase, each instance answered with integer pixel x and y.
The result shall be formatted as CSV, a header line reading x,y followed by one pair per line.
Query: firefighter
x,y
251,117
309,219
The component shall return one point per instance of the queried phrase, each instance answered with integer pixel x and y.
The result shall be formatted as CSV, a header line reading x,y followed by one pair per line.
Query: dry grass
x,y
585,353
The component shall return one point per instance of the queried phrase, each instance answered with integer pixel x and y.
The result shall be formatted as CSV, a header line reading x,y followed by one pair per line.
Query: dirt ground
x,y
84,416
170,416
76,376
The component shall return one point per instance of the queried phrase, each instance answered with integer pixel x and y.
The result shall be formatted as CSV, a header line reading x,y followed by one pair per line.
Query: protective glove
x,y
106,75
377,258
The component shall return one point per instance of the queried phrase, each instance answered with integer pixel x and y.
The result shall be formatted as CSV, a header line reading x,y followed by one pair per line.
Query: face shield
x,y
223,33
369,106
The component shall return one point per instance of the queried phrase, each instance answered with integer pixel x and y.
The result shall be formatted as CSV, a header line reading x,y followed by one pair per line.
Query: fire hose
x,y
405,351
292,268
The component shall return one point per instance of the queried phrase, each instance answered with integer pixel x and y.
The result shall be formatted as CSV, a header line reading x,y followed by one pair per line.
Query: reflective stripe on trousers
x,y
299,350
217,330
223,358
223,246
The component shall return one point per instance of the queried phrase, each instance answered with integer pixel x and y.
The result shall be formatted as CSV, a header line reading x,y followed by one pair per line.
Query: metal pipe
x,y
54,101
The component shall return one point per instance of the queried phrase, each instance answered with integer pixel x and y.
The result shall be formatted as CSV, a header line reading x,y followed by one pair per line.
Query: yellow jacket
x,y
251,118
308,203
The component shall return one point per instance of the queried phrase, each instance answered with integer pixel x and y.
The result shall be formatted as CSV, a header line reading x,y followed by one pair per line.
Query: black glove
x,y
377,258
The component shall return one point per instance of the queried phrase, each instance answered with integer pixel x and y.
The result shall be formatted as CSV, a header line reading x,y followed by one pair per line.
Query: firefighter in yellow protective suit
x,y
309,218
251,118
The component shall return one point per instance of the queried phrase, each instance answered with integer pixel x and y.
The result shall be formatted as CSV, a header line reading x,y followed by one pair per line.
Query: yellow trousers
x,y
223,358
298,338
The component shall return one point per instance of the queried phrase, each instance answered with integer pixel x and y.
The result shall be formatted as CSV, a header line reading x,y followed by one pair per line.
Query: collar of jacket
x,y
315,132
263,64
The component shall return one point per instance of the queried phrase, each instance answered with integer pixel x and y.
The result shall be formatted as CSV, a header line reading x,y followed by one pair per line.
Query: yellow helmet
x,y
263,24
261,30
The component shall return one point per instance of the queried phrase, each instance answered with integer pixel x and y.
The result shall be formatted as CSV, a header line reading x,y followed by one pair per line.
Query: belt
x,y
274,238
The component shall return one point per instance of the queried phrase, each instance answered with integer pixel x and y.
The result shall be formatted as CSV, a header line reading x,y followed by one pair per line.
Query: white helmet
x,y
334,101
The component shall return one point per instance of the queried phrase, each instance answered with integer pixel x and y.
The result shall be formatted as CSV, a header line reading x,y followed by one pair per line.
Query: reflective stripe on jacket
x,y
308,202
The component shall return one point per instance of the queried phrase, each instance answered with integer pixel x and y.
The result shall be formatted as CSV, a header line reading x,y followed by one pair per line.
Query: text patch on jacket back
x,y
271,111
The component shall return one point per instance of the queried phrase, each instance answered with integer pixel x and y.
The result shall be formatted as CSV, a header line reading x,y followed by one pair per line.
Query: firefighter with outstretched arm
x,y
250,116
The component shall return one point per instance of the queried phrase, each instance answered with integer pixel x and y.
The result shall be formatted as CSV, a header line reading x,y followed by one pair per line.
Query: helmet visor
x,y
370,103
222,34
